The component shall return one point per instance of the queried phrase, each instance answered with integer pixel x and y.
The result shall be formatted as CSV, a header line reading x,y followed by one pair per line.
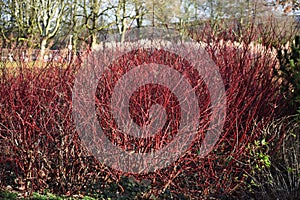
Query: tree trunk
x,y
94,41
43,48
124,29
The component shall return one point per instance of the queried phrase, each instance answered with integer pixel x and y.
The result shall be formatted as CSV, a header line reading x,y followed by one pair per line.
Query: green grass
x,y
8,195
36,196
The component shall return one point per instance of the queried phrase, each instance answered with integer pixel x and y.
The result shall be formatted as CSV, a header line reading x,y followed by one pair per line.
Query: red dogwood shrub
x,y
40,147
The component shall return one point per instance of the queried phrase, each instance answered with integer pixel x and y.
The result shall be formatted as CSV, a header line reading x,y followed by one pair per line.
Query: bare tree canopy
x,y
37,24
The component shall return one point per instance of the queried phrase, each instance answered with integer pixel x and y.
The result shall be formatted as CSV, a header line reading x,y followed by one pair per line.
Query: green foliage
x,y
47,196
39,196
7,195
280,179
289,72
259,152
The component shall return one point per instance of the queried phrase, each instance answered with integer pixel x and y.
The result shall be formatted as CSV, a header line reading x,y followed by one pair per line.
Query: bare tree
x,y
140,11
18,22
163,12
48,15
126,12
95,17
72,23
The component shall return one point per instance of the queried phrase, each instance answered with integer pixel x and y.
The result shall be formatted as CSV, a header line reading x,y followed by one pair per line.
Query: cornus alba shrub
x,y
253,98
40,147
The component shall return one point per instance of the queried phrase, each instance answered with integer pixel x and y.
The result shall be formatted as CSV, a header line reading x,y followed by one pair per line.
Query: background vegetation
x,y
50,24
